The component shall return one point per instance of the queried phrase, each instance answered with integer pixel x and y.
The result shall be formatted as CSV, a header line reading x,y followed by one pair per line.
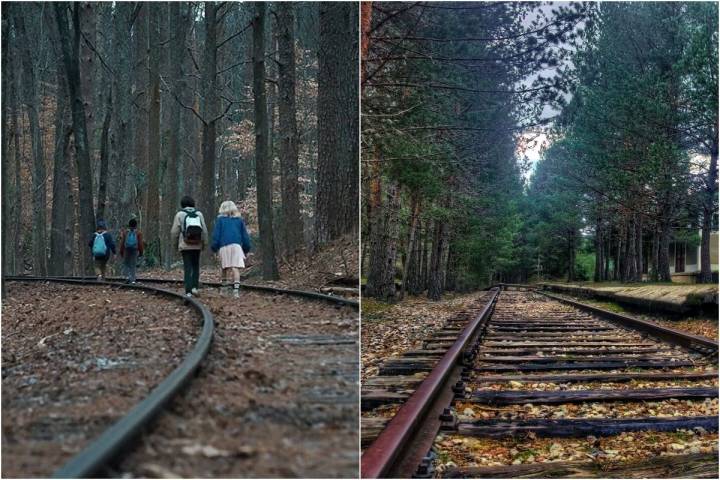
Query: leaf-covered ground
x,y
334,264
698,324
390,330
460,451
666,408
77,358
276,397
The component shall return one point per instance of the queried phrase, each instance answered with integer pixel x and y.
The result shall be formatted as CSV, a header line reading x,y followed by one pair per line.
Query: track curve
x,y
116,438
260,288
113,441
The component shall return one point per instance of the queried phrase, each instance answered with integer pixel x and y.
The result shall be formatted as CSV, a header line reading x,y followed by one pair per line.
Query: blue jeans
x,y
130,263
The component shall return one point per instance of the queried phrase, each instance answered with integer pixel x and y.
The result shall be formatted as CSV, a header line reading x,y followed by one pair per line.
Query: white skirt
x,y
232,256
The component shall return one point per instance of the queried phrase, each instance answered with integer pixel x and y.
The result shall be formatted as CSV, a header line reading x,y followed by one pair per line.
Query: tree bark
x,y
415,284
152,210
290,192
365,25
263,171
638,248
664,252
32,104
435,270
209,113
140,111
383,253
599,257
571,256
104,153
82,155
410,249
4,157
178,23
709,210
121,134
60,220
336,211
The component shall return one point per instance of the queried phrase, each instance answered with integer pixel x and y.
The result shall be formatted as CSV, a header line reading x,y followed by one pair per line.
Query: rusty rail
x,y
677,337
396,439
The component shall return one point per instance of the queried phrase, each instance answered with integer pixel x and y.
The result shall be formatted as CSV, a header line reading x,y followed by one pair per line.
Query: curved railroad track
x,y
260,288
526,364
119,437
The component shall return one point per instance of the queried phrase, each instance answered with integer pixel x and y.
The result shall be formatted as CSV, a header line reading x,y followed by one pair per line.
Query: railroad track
x,y
260,288
526,365
121,435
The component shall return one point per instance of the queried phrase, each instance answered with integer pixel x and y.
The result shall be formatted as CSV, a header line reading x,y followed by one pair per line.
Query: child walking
x,y
131,247
191,233
231,241
101,244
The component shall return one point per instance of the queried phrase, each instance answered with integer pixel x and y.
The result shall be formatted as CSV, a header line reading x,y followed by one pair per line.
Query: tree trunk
x,y
415,266
708,211
152,210
599,257
410,249
291,220
664,253
17,225
82,155
435,272
365,25
607,246
263,170
209,113
61,192
571,256
170,198
638,248
121,134
140,111
655,255
383,253
336,212
104,153
425,257
618,255
32,104
4,157
631,261
88,26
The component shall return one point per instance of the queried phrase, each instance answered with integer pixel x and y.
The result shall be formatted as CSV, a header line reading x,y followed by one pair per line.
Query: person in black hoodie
x,y
101,245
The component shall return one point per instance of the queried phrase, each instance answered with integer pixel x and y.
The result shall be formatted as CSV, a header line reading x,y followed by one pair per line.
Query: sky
x,y
532,144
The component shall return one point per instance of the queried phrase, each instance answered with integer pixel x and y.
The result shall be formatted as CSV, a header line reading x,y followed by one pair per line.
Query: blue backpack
x,y
99,248
131,240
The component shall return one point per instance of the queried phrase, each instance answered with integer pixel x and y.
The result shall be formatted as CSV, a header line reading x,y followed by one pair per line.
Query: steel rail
x,y
684,339
114,440
377,460
263,288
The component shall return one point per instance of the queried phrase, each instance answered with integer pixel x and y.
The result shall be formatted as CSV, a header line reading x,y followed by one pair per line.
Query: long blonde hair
x,y
229,209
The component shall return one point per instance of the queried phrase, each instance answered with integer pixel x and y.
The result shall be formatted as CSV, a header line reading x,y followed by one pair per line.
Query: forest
x,y
113,110
623,97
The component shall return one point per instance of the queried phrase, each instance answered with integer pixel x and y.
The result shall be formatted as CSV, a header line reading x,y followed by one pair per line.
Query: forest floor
x,y
389,330
703,324
74,360
276,397
334,265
